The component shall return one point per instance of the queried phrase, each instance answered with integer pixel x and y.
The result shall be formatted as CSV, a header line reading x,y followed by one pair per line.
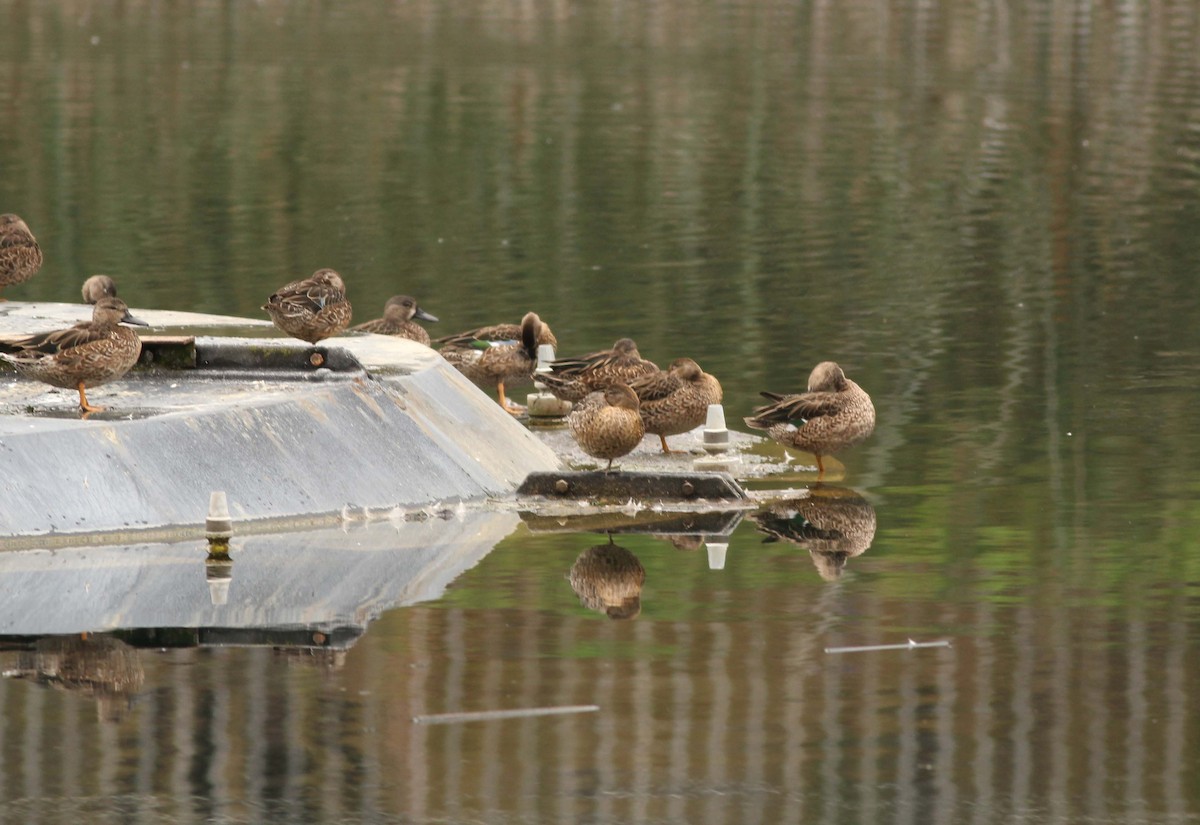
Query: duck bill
x,y
425,316
129,319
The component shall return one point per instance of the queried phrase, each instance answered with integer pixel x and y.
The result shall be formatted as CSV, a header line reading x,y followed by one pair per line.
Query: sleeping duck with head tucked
x,y
311,309
676,400
835,413
20,255
571,379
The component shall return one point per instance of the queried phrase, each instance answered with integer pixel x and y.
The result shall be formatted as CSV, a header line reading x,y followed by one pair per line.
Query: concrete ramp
x,y
380,423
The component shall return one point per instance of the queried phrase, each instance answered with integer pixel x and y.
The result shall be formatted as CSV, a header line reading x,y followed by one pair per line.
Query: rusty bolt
x,y
316,359
562,485
689,489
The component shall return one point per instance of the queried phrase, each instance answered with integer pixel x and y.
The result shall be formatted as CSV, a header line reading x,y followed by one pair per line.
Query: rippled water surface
x,y
986,212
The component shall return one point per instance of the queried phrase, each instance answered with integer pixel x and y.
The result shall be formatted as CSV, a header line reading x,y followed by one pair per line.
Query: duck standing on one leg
x,y
676,400
834,414
499,355
311,309
20,255
86,355
397,320
607,424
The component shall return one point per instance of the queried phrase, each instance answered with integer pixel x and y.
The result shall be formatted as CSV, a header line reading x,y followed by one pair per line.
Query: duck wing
x,y
305,297
60,340
797,409
483,336
656,386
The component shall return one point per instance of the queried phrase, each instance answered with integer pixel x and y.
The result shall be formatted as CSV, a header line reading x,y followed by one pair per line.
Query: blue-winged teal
x,y
606,424
834,414
97,287
573,378
86,355
495,356
20,255
398,313
312,309
676,400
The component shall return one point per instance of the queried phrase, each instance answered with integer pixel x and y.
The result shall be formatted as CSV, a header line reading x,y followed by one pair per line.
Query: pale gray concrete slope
x,y
393,425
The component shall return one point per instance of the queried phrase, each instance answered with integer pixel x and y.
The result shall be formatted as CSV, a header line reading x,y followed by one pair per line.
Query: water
x,y
985,212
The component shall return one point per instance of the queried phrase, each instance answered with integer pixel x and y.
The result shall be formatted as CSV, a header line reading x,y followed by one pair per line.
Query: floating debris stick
x,y
909,645
487,715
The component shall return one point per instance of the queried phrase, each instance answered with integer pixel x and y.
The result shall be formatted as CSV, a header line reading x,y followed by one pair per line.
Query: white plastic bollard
x,y
716,435
219,524
545,356
542,404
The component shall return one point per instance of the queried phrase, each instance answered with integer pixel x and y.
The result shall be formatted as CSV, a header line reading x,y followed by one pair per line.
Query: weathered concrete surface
x,y
324,580
390,424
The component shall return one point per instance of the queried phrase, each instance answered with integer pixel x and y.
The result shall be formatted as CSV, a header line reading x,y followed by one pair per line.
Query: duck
x,y
311,309
606,424
398,313
499,355
571,379
97,287
20,255
833,523
834,414
88,354
608,578
676,400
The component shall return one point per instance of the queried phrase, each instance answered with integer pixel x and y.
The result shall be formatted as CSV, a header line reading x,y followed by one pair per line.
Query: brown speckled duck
x,y
608,578
499,355
397,320
86,355
573,378
676,400
835,413
97,287
20,255
607,424
312,309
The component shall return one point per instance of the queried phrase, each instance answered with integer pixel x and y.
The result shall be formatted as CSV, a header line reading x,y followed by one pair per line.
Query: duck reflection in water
x,y
100,666
608,578
833,523
687,542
